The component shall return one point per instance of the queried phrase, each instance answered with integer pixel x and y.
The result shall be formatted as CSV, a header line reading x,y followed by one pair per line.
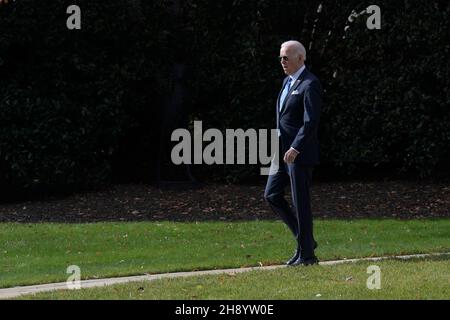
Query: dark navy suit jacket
x,y
298,120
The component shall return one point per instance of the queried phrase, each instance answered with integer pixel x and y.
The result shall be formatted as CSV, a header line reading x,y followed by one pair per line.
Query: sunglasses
x,y
283,58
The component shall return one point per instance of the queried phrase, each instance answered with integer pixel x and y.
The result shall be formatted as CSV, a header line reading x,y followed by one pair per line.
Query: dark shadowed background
x,y
82,109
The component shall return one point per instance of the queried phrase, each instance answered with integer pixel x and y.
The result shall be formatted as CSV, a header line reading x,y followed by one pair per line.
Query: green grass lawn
x,y
412,279
41,253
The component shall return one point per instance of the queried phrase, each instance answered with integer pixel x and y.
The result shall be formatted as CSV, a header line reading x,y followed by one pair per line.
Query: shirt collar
x,y
296,75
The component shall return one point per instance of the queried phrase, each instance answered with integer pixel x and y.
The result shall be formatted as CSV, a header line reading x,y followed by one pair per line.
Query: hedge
x,y
83,108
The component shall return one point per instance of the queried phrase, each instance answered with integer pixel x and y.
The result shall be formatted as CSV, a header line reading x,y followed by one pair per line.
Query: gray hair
x,y
297,46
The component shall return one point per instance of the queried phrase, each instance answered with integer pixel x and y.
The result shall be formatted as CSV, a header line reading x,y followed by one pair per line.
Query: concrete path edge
x,y
14,292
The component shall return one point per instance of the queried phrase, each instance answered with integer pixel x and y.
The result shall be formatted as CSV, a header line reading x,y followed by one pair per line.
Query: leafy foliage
x,y
81,108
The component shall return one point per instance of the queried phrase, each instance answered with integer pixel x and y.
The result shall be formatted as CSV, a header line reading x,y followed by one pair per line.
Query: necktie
x,y
286,89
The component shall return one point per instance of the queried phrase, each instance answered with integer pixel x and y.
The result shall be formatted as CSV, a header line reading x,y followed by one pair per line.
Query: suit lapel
x,y
278,100
279,94
293,87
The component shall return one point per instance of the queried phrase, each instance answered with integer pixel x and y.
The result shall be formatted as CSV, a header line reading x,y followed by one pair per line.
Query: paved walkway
x,y
18,291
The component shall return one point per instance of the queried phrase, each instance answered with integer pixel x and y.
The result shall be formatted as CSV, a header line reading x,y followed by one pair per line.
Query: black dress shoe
x,y
305,261
294,257
297,255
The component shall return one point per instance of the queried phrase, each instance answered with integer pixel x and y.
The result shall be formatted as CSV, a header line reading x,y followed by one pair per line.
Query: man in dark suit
x,y
298,112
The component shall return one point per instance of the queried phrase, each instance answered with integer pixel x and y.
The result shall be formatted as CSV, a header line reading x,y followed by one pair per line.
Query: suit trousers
x,y
299,217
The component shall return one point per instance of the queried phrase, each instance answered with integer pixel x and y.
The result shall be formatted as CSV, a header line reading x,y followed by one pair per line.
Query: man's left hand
x,y
290,155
